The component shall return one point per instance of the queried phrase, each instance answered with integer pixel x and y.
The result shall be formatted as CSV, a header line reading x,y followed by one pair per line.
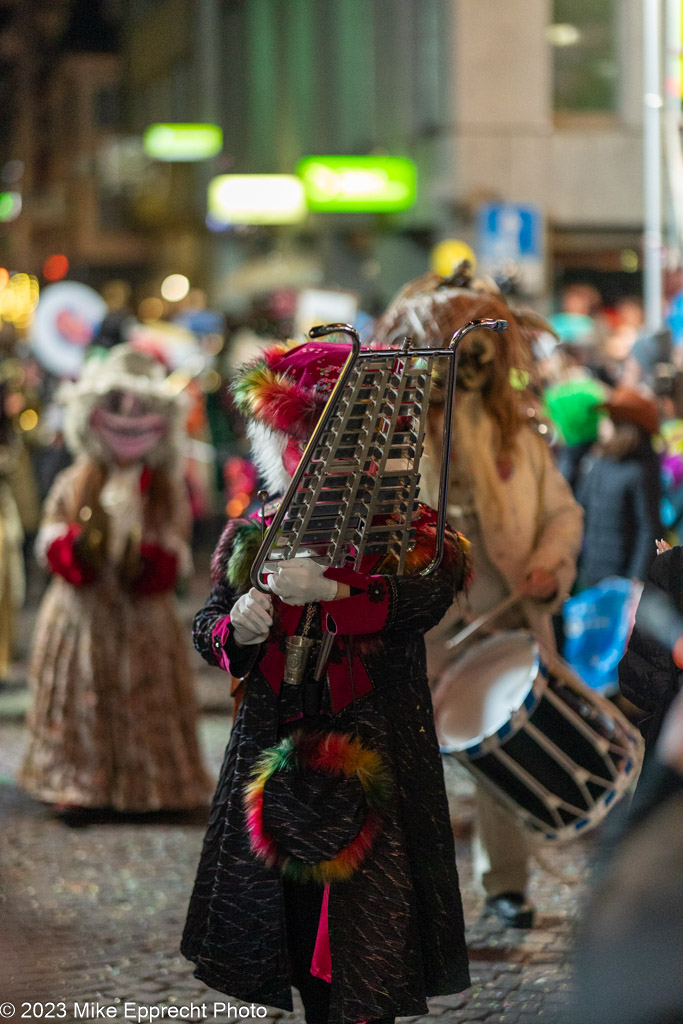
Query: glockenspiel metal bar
x,y
391,403
315,479
424,388
375,497
366,441
326,464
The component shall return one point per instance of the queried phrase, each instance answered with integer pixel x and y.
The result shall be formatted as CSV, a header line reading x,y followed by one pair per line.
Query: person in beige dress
x,y
511,503
113,721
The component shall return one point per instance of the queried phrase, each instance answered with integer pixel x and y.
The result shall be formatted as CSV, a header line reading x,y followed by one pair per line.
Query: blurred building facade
x,y
536,102
66,81
548,109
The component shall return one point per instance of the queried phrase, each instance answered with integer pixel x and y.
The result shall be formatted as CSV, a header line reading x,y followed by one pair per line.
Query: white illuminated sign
x,y
256,199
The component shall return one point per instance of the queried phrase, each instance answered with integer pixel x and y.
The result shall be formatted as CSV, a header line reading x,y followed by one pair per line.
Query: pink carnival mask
x,y
126,426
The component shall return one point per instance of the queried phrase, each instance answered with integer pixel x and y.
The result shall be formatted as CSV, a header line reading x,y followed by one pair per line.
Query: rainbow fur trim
x,y
456,551
335,754
262,394
235,553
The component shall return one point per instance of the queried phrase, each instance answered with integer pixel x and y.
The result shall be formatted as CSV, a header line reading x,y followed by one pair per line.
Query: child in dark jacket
x,y
620,492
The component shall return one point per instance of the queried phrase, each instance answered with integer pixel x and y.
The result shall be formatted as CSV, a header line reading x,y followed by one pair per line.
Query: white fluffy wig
x,y
124,369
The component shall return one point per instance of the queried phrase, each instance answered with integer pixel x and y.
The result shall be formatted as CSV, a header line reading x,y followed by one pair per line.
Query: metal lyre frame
x,y
348,541
358,358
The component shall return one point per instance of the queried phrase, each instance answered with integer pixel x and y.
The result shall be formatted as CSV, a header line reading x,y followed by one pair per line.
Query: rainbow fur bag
x,y
315,804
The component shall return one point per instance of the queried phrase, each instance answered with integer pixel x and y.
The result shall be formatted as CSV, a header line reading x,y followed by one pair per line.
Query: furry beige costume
x,y
114,716
505,495
526,516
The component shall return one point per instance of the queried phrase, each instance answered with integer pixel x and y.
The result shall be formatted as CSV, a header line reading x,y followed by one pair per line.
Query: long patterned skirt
x,y
113,722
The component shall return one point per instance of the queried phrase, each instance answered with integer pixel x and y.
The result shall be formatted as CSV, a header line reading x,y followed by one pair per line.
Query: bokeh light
x,y
629,260
19,299
10,206
236,506
175,287
563,34
12,172
150,310
213,344
15,403
28,419
55,267
241,479
211,381
14,373
4,277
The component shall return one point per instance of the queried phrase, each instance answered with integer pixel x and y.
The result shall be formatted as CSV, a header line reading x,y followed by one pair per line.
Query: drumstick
x,y
482,620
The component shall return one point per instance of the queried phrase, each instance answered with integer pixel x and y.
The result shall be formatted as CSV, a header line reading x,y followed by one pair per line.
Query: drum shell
x,y
564,758
488,692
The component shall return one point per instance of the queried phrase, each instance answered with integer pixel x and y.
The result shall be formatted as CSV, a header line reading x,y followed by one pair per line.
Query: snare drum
x,y
552,750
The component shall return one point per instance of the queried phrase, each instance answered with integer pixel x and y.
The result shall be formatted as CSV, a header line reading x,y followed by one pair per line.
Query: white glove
x,y
251,617
300,581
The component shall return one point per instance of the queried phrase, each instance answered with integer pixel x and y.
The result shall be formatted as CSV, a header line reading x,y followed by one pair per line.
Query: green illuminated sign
x,y
182,141
358,184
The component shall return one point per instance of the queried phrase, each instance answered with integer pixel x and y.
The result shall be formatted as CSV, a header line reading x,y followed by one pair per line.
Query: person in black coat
x,y
628,948
620,493
648,675
374,944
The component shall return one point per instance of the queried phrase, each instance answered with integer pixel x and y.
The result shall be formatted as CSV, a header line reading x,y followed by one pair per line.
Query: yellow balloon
x,y
448,254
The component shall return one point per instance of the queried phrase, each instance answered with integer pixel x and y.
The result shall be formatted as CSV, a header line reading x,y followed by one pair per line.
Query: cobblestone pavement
x,y
92,915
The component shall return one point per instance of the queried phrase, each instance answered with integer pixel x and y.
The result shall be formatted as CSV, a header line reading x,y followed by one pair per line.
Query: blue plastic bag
x,y
597,625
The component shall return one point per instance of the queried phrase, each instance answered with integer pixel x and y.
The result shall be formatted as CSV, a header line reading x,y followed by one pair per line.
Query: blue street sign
x,y
511,234
509,231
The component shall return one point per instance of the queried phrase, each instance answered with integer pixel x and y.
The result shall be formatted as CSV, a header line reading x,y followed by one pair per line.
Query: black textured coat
x,y
396,926
648,676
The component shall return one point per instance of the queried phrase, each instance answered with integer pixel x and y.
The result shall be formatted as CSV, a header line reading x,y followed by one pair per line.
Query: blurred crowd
x,y
612,392
606,394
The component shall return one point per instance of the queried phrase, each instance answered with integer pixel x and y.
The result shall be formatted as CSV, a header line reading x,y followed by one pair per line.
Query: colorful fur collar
x,y
263,394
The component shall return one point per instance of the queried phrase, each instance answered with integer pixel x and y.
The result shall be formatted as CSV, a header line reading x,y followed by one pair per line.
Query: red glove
x,y
159,572
63,559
